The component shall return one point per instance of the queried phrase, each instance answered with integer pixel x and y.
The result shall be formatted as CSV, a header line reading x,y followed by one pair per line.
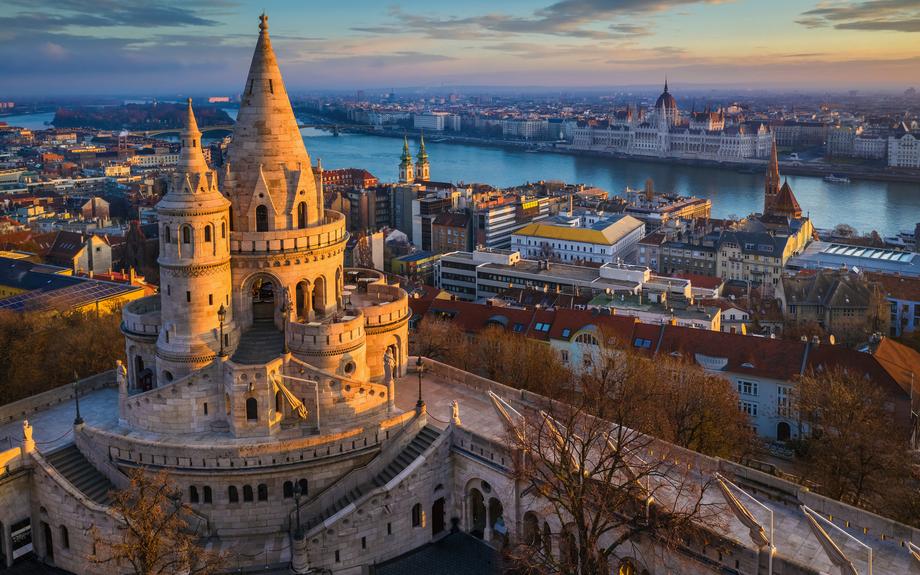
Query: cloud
x,y
61,14
870,15
571,18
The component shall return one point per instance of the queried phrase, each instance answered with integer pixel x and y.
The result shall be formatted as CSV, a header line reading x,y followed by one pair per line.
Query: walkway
x,y
456,554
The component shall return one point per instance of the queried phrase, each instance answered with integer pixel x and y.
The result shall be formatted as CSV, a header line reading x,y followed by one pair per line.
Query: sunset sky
x,y
204,46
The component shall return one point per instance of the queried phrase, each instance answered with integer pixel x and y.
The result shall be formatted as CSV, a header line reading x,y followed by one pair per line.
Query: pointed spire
x,y
406,156
666,83
191,160
422,156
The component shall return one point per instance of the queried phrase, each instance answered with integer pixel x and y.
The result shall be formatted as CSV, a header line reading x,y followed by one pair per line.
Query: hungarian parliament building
x,y
666,134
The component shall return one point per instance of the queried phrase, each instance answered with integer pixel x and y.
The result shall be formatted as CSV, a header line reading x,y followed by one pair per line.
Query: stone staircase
x,y
76,469
261,343
410,453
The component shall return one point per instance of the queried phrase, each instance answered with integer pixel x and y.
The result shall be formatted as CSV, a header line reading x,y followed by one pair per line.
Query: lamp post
x,y
221,316
419,368
286,310
297,491
75,383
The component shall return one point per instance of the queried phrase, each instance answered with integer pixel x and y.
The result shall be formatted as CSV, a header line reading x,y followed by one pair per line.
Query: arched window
x,y
586,338
207,233
252,409
303,486
417,515
261,219
167,237
186,235
263,492
193,494
231,218
288,489
234,494
247,493
65,538
207,494
302,215
223,230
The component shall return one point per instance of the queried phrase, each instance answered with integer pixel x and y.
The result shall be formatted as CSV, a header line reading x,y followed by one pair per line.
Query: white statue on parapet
x,y
455,412
121,375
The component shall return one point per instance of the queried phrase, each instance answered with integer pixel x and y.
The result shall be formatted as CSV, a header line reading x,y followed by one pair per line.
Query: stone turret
x,y
194,262
270,179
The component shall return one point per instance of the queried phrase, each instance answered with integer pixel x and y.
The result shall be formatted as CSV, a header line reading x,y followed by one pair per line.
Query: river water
x,y
866,205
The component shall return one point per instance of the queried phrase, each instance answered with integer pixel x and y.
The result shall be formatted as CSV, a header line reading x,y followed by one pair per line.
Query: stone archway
x,y
783,431
496,520
318,300
303,301
437,516
477,513
260,300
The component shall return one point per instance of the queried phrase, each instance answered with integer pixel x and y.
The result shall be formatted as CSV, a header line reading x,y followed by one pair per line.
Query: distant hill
x,y
155,116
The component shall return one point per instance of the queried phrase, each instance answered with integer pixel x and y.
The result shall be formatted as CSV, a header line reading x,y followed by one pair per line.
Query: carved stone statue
x,y
455,412
27,430
121,375
388,363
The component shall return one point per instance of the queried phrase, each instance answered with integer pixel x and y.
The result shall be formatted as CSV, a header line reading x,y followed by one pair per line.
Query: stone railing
x,y
340,397
142,316
331,232
26,407
392,305
328,335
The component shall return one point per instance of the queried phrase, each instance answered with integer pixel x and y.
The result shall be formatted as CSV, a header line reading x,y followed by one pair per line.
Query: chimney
x,y
815,340
131,272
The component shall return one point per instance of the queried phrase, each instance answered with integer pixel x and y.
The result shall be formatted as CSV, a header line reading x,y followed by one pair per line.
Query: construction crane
x,y
827,107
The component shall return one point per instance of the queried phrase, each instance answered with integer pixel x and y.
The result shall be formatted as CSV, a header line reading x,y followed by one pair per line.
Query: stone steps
x,y
80,473
410,453
259,344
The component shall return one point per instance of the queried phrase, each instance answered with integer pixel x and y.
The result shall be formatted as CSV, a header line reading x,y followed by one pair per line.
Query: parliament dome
x,y
666,100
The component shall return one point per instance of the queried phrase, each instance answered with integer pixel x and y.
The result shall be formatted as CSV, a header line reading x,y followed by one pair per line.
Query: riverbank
x,y
755,164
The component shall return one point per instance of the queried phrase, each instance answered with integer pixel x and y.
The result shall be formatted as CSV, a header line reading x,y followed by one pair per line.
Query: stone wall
x,y
178,407
14,496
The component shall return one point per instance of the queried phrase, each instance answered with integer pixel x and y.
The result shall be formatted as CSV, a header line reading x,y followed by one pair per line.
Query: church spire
x,y
771,182
666,83
422,156
406,156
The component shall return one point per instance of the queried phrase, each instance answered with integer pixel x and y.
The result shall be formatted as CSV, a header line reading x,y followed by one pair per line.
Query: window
x,y
261,219
223,230
518,328
193,494
247,493
565,356
301,215
747,387
288,489
417,515
207,494
207,233
792,309
303,486
65,538
234,494
188,297
210,299
566,332
586,338
186,235
749,408
782,400
263,492
252,409
166,236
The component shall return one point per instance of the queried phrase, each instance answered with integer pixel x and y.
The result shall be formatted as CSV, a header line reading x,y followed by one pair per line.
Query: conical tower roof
x,y
773,169
193,185
786,204
267,145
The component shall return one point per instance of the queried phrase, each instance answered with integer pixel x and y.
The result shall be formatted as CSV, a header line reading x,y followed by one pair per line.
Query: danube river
x,y
866,205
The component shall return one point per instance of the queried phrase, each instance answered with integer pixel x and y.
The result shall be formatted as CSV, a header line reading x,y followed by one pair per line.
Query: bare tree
x,y
649,190
150,538
547,252
363,258
439,339
853,449
608,489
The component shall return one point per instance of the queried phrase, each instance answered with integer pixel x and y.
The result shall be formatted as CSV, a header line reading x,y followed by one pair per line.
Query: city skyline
x,y
99,46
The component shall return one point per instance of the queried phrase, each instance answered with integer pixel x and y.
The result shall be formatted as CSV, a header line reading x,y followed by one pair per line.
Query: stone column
x,y
487,531
121,375
388,364
299,561
8,544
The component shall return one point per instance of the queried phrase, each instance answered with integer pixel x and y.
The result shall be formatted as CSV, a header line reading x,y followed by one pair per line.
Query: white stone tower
x,y
194,263
406,168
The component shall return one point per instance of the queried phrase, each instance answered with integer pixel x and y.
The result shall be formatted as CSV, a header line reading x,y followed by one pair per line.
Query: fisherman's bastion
x,y
265,369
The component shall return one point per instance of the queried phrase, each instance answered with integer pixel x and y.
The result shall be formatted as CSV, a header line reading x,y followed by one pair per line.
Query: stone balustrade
x,y
142,316
331,232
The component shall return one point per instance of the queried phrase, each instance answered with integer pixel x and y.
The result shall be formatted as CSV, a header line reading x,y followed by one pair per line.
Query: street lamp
x,y
75,383
297,491
221,316
419,368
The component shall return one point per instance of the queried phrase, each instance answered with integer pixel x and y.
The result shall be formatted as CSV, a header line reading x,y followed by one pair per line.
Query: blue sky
x,y
204,46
